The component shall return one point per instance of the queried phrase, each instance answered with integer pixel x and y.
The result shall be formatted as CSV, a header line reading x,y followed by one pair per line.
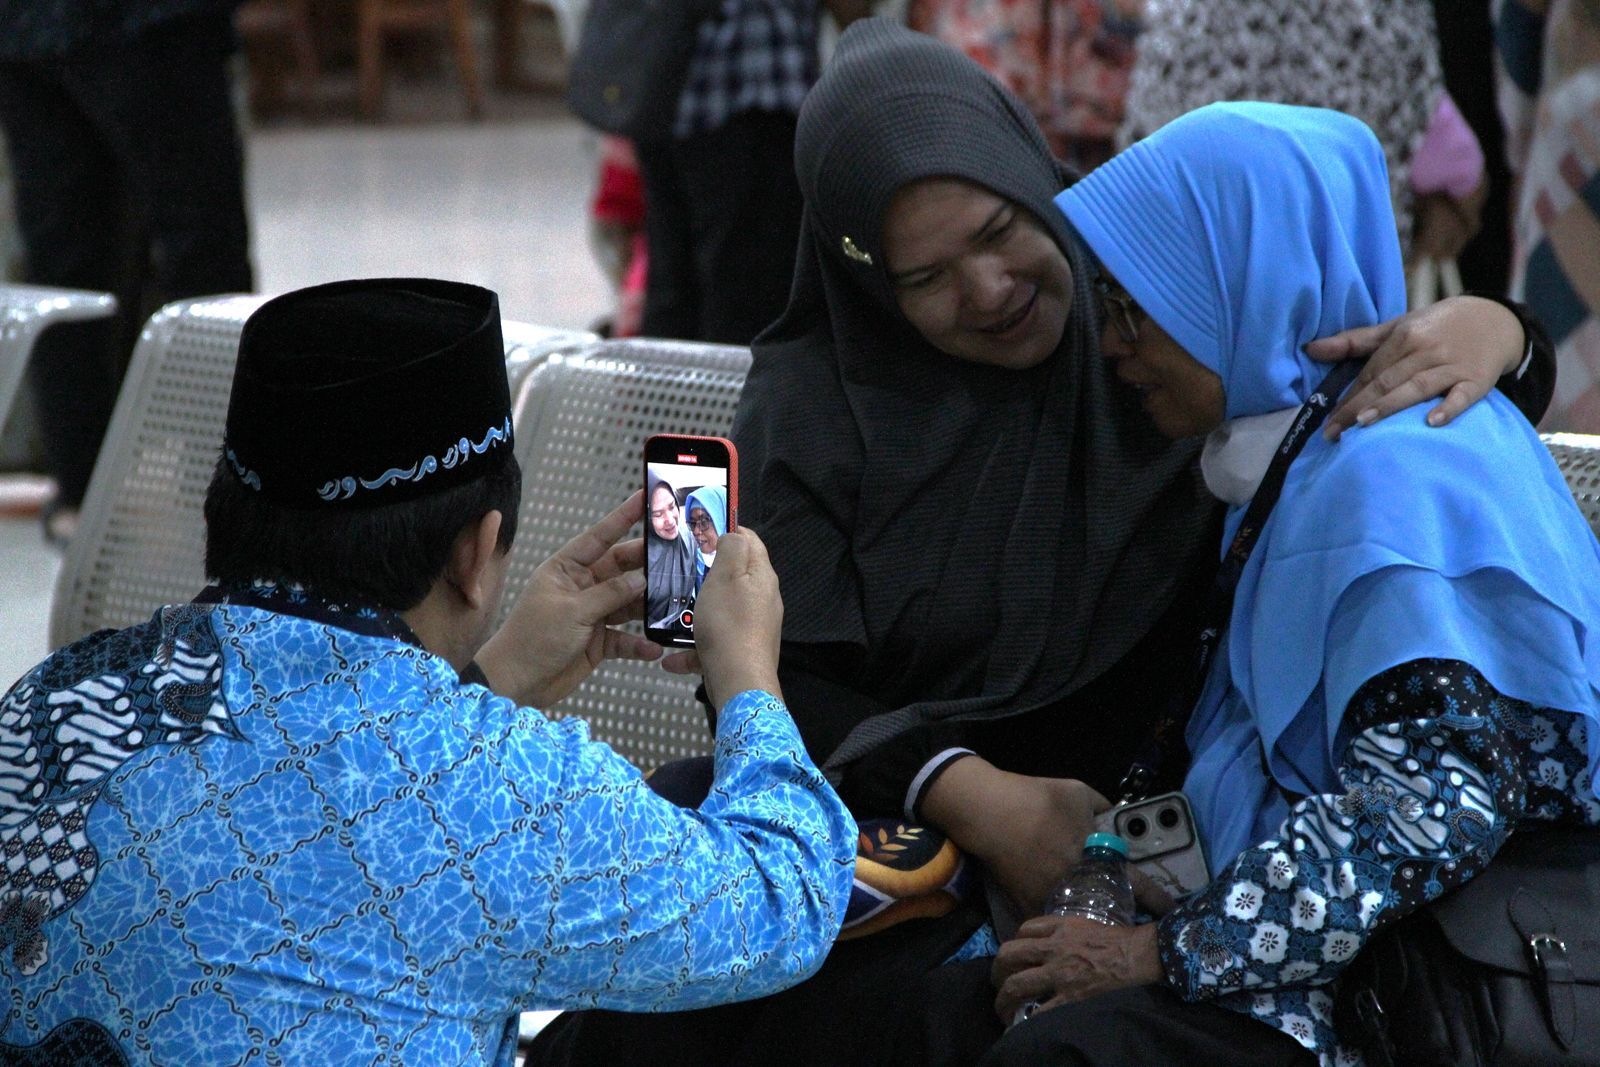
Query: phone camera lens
x,y
1137,827
1168,818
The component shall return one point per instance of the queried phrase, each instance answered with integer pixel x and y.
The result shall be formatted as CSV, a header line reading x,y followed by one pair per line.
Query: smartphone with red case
x,y
691,501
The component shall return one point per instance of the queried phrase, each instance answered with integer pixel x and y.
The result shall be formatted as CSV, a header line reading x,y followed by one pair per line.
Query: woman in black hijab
x,y
983,545
669,556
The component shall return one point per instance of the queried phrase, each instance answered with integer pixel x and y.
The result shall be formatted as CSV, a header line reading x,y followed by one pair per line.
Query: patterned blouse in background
x,y
1069,60
1549,92
1375,59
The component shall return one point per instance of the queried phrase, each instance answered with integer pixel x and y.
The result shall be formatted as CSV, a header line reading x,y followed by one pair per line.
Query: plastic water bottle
x,y
1098,889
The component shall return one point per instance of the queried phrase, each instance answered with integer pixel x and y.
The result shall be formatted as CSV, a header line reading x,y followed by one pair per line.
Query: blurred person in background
x,y
119,121
1375,59
722,207
1467,57
1550,98
616,234
1068,60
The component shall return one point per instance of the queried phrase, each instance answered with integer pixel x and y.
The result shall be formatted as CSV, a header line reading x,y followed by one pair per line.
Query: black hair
x,y
387,556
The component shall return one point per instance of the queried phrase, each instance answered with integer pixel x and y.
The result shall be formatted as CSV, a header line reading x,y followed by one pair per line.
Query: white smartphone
x,y
1162,841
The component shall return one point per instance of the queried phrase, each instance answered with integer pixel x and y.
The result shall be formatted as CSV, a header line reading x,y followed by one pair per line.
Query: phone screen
x,y
690,503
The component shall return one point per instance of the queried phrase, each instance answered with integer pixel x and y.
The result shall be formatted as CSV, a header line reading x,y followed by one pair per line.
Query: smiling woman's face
x,y
979,277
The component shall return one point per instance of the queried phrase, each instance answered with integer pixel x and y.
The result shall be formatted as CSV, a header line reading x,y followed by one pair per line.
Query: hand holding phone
x,y
741,620
691,502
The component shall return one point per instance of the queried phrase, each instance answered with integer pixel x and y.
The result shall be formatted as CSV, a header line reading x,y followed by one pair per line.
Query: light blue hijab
x,y
1246,230
713,500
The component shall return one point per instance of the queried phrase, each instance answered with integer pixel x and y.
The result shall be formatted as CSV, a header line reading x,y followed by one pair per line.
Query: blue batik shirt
x,y
285,833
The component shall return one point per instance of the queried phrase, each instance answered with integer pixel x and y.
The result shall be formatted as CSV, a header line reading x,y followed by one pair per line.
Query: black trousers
x,y
946,1018
128,176
870,1007
722,219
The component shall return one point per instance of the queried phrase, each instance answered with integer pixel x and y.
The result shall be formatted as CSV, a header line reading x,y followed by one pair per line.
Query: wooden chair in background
x,y
376,19
271,22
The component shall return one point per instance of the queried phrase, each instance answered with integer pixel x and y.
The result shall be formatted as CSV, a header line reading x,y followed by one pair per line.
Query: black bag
x,y
1504,971
631,62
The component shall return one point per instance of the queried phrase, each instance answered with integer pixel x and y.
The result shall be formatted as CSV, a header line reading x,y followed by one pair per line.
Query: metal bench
x,y
1578,456
25,312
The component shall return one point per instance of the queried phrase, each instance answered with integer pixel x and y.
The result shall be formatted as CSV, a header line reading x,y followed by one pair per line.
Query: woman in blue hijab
x,y
708,521
1408,674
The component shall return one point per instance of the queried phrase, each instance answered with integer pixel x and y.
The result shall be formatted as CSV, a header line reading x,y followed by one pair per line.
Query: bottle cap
x,y
1111,841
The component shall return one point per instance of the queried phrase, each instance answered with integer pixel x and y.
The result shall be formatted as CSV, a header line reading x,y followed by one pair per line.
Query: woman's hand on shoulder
x,y
1028,832
1456,349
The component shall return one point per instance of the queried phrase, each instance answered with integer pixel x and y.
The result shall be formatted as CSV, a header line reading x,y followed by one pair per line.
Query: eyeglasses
x,y
700,522
1121,310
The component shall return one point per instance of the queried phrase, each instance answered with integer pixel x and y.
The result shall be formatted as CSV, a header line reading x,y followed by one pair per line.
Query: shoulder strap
x,y
1167,735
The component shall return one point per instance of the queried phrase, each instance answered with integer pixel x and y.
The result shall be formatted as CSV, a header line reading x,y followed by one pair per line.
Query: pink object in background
x,y
1449,160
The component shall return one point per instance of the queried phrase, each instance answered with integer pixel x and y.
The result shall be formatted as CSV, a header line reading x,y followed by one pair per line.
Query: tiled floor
x,y
499,202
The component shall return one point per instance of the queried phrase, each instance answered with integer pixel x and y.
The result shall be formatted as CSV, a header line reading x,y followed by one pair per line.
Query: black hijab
x,y
987,540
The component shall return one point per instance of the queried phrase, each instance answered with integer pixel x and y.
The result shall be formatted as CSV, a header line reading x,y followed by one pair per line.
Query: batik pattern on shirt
x,y
68,727
1440,768
364,861
753,55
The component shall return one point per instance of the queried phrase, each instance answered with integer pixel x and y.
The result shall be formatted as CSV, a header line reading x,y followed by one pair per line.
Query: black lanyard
x,y
1167,735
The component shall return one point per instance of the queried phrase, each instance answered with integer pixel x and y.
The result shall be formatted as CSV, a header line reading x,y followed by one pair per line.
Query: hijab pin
x,y
855,253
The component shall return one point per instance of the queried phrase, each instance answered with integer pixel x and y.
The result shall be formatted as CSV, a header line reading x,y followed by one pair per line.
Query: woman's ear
x,y
470,557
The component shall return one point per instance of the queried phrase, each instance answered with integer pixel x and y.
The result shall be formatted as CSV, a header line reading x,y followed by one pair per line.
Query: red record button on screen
x,y
687,618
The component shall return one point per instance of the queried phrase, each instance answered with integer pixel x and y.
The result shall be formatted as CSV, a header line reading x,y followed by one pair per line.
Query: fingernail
x,y
1435,418
1368,417
636,581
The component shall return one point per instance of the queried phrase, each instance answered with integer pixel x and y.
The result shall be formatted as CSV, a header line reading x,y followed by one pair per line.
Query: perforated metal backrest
x,y
140,540
581,424
1578,456
25,311
141,537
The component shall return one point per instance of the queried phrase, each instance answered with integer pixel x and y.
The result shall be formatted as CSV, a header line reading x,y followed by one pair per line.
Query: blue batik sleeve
x,y
600,893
